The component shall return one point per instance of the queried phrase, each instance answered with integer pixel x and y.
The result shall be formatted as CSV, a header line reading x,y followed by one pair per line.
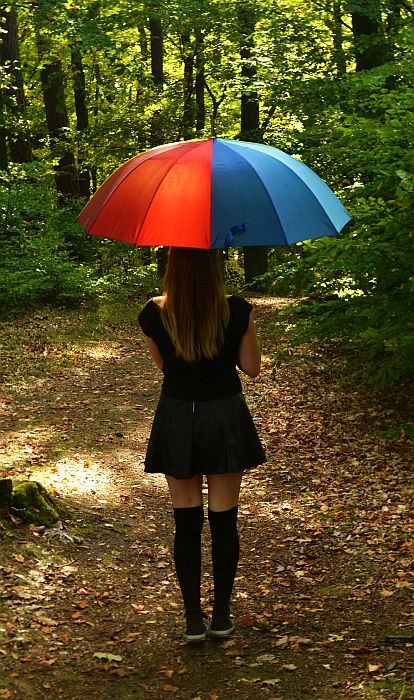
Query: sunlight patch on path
x,y
89,476
79,475
20,448
274,302
97,350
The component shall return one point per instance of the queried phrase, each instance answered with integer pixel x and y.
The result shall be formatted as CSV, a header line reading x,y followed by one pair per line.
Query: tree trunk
x,y
52,81
249,125
394,18
199,83
96,72
156,42
188,108
156,136
82,120
19,141
4,158
255,258
394,23
162,259
146,255
57,120
370,45
216,104
338,52
255,264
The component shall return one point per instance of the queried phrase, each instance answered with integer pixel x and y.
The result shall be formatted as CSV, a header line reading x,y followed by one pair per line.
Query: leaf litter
x,y
324,592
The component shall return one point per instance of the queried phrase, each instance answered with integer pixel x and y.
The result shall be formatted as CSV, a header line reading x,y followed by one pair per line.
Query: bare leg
x,y
223,491
186,493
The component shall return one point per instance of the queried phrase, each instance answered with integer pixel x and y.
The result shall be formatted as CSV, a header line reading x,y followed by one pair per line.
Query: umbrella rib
x,y
177,160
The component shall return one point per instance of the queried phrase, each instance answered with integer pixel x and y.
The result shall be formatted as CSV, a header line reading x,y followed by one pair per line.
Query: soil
x,y
90,608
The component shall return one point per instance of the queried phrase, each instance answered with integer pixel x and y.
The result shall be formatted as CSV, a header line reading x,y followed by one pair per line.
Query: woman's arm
x,y
249,351
155,353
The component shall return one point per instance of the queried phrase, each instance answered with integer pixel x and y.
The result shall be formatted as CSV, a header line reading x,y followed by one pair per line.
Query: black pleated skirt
x,y
202,437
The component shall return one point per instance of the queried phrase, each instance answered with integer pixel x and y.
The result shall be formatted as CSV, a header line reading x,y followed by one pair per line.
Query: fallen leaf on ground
x,y
47,621
373,668
271,681
107,656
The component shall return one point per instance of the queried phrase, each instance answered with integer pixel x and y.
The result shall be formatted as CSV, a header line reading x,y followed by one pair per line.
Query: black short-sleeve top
x,y
202,379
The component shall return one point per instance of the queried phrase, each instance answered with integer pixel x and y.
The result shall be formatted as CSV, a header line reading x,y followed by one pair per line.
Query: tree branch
x,y
266,121
323,7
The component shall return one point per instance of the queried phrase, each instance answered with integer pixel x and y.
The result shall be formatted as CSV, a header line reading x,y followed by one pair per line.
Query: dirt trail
x,y
324,594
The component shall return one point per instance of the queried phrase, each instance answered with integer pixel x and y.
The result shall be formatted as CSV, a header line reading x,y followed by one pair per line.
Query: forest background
x,y
86,85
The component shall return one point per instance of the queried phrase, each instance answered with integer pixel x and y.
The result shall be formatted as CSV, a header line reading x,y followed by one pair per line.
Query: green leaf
x,y
104,655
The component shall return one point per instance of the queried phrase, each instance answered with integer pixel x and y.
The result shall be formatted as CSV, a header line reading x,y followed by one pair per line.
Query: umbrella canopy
x,y
213,193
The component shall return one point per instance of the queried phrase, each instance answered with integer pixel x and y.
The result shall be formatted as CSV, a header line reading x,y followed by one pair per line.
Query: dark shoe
x,y
222,626
196,631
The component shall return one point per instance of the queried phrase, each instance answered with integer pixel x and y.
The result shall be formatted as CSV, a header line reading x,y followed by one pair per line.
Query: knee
x,y
184,501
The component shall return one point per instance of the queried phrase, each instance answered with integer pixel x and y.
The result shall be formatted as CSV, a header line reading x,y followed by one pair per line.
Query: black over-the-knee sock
x,y
187,555
225,555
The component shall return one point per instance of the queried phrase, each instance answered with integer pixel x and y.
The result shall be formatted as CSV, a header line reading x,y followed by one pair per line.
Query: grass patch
x,y
398,432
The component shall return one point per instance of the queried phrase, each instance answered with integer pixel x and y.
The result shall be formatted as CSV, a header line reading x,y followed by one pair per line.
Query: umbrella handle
x,y
234,231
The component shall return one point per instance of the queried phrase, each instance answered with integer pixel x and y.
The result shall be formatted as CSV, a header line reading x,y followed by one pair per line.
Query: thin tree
x,y
53,89
13,95
82,117
188,57
156,41
4,156
255,258
200,82
337,33
155,8
371,48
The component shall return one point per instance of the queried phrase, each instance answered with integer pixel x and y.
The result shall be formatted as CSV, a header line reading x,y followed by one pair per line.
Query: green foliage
x,y
354,128
45,278
234,277
36,247
374,337
399,432
45,257
361,283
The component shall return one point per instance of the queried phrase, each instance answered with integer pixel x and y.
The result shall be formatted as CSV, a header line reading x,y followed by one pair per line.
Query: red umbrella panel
x,y
151,200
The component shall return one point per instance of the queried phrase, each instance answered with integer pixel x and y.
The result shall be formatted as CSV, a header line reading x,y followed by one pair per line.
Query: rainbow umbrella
x,y
213,193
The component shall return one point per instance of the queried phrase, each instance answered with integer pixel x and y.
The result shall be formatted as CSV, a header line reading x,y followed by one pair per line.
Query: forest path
x,y
323,601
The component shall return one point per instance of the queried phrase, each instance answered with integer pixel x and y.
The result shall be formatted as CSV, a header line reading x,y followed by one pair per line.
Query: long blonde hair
x,y
195,311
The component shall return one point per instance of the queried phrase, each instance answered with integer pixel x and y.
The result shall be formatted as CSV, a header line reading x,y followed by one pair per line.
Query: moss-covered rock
x,y
33,504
